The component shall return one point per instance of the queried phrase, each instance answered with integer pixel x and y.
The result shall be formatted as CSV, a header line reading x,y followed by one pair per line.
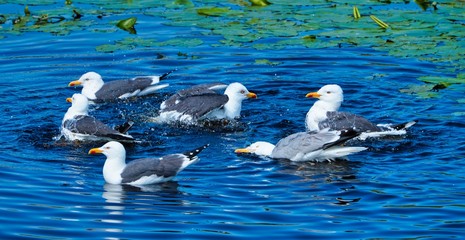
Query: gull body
x,y
145,170
95,89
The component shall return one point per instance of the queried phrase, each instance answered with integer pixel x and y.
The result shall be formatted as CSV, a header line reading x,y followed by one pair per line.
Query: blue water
x,y
405,187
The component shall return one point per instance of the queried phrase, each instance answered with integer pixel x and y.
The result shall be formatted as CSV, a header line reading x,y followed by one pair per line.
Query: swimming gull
x,y
95,89
78,125
145,170
202,102
324,114
324,145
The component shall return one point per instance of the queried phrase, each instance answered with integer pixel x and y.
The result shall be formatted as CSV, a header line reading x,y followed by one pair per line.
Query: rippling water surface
x,y
405,187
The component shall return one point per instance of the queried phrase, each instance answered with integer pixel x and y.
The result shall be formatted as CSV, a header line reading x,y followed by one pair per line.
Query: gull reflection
x,y
338,178
339,169
115,193
119,197
335,180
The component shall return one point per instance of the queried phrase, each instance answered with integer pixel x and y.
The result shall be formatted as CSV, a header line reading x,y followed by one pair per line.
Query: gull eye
x,y
328,92
242,91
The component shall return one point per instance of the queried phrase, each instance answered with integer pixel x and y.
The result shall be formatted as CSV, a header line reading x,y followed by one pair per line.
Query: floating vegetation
x,y
26,11
422,91
128,25
419,29
44,19
260,3
445,81
131,43
379,22
212,11
356,13
266,62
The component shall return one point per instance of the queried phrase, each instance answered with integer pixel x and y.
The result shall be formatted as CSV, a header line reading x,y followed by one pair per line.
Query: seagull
x,y
324,145
145,170
324,114
78,125
202,102
96,90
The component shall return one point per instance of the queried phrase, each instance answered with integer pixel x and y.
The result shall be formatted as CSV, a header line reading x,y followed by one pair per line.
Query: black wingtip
x,y
405,125
120,137
192,154
124,128
349,133
165,75
344,136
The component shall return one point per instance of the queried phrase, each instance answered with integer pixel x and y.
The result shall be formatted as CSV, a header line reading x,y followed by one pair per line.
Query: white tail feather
x,y
340,152
151,89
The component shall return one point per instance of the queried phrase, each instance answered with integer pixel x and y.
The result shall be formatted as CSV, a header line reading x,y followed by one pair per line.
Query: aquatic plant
x,y
128,24
419,29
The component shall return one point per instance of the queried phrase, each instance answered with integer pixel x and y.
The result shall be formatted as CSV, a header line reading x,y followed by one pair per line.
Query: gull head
x,y
258,148
331,93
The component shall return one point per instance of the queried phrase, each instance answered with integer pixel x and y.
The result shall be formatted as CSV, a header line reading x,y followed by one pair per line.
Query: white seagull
x,y
95,89
324,145
324,114
145,170
202,102
78,125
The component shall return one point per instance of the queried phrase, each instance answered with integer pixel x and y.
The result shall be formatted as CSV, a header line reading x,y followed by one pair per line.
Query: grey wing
x,y
346,120
198,105
167,166
197,90
92,126
303,142
114,89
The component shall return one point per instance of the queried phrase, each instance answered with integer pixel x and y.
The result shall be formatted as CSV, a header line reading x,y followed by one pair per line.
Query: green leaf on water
x,y
26,11
266,62
235,32
422,91
186,3
260,3
379,22
212,11
109,48
182,42
128,24
446,81
356,13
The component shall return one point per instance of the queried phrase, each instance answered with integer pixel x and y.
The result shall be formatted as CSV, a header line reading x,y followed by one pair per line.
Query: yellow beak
x,y
74,83
95,151
242,150
313,95
70,100
251,95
